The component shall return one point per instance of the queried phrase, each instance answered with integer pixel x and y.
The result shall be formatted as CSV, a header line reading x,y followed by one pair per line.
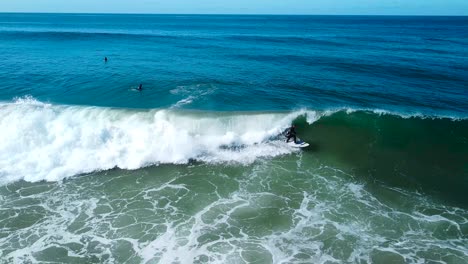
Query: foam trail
x,y
191,93
49,142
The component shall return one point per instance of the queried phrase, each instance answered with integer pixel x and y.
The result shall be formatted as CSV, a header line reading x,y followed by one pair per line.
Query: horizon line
x,y
229,14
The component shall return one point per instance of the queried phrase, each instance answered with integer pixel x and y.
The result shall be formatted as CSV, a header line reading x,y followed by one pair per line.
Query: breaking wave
x,y
49,142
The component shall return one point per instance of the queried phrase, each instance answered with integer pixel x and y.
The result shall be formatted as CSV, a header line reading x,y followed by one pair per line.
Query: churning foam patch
x,y
50,142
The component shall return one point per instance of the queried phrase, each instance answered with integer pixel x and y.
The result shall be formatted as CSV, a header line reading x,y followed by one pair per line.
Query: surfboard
x,y
299,144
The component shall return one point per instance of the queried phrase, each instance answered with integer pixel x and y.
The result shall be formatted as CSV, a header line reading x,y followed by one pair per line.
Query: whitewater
x,y
49,142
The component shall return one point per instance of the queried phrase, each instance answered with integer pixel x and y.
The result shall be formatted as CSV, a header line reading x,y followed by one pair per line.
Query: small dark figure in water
x,y
105,59
291,134
140,87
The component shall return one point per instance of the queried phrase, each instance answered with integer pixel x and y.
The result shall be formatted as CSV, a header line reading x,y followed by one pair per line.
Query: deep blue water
x,y
214,62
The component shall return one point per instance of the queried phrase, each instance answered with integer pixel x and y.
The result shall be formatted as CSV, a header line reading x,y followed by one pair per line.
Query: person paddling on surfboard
x,y
291,134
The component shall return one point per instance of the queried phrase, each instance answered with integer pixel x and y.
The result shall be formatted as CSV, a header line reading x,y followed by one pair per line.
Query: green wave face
x,y
412,152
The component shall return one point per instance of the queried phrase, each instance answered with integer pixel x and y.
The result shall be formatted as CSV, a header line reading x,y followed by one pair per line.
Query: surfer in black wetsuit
x,y
140,87
291,134
105,59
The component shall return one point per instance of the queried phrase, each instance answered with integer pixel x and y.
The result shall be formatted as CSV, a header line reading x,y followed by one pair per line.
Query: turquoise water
x,y
193,168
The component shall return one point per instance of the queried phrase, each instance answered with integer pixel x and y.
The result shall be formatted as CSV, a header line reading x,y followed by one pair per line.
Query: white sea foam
x,y
49,142
330,218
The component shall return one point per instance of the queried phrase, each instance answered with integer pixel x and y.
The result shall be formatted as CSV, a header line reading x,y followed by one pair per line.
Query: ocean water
x,y
194,169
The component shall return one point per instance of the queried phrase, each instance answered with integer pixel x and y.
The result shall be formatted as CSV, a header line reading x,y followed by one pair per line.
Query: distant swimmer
x,y
291,134
105,59
140,87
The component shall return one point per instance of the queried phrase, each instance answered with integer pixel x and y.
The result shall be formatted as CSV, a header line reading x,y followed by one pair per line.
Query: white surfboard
x,y
299,144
